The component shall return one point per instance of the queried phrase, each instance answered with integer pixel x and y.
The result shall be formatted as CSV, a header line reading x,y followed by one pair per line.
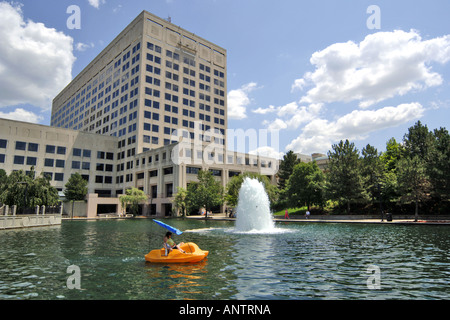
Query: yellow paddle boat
x,y
192,254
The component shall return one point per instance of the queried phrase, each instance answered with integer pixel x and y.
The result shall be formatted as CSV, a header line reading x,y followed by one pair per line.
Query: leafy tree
x,y
392,155
234,185
305,185
372,170
418,142
42,193
76,188
286,168
206,193
345,183
3,182
413,181
16,190
180,200
25,191
439,165
132,197
390,158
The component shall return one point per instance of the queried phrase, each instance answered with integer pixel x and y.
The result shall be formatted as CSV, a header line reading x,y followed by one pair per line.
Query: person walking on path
x,y
286,214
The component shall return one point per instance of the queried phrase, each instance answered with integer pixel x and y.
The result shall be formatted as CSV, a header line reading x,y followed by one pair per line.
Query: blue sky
x,y
313,70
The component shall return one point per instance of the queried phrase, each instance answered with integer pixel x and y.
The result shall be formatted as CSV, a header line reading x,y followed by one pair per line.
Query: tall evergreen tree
x,y
372,170
439,165
286,168
345,183
413,181
392,155
418,142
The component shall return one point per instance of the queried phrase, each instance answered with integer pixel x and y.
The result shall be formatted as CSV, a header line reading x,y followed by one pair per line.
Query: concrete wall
x,y
28,221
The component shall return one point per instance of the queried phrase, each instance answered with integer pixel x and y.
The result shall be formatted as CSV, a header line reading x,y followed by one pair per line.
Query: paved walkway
x,y
223,217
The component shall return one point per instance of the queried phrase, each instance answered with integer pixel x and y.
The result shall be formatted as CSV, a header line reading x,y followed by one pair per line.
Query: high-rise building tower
x,y
152,79
149,112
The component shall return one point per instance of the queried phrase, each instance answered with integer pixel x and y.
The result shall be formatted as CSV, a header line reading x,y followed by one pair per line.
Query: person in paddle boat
x,y
169,244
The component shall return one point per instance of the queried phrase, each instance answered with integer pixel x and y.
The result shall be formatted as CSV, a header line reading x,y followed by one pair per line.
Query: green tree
x,y
16,190
418,142
305,186
392,155
390,158
286,168
42,193
206,193
413,181
132,197
345,183
439,165
180,200
76,188
234,185
372,170
3,182
25,191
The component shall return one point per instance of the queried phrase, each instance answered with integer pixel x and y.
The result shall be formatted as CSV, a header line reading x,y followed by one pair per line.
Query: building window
x,y
169,190
2,158
76,152
20,145
59,176
3,143
59,163
75,164
33,147
19,159
50,149
49,162
31,161
61,150
86,153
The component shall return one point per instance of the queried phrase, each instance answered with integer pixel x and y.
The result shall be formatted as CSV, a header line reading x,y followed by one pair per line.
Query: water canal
x,y
296,261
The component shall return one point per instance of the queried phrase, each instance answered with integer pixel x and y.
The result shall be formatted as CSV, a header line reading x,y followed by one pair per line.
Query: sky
x,y
310,73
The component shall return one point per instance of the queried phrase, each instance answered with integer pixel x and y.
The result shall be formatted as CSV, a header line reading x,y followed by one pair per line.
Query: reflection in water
x,y
299,261
254,265
183,275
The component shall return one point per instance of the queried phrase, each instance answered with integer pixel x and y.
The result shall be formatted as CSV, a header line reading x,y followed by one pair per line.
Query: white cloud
x,y
21,115
36,61
319,134
83,46
291,115
277,124
383,65
265,110
238,100
268,152
96,3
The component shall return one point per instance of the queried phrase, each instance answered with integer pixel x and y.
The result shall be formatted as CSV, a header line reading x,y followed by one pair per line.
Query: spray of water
x,y
253,209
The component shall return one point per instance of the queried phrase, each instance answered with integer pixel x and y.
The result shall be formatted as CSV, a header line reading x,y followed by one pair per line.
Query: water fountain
x,y
253,209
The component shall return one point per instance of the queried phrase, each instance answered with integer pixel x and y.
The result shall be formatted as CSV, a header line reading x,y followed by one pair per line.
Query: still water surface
x,y
299,261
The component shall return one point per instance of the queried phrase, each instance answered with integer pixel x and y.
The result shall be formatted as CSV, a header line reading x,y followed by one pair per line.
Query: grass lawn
x,y
292,211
